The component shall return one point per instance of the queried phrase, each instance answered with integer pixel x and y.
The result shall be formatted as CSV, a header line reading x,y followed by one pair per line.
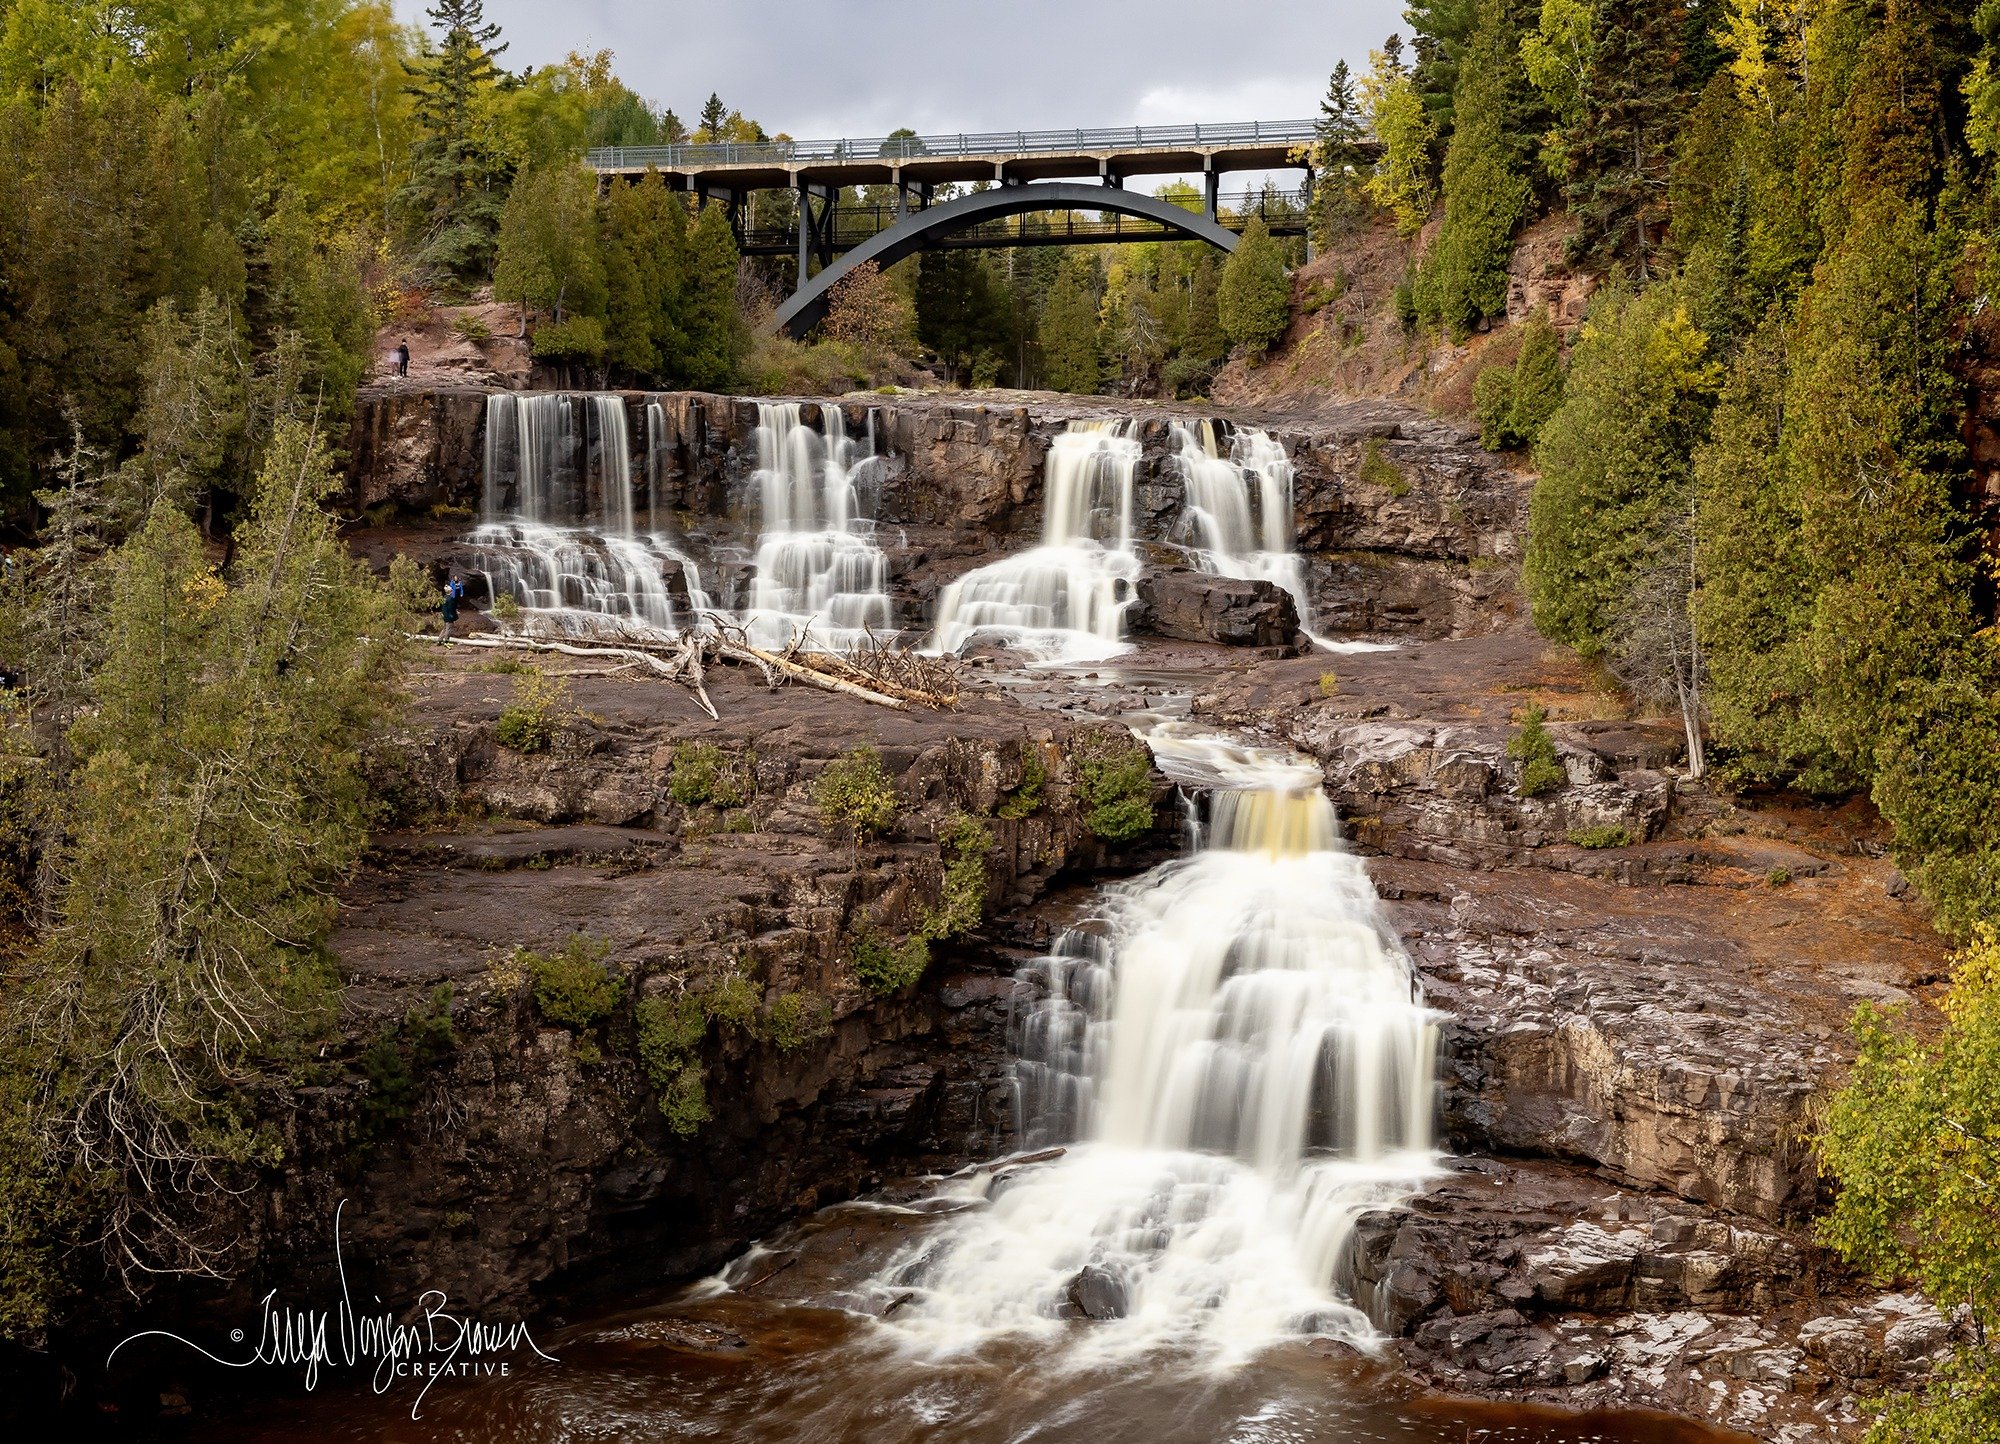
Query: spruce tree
x,y
1254,301
716,340
451,204
1070,358
1339,165
713,115
1629,110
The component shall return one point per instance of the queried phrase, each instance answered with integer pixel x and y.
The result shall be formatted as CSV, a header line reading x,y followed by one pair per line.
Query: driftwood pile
x,y
877,672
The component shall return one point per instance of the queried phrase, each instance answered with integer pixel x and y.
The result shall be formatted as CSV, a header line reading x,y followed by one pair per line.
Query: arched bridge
x,y
807,306
1081,173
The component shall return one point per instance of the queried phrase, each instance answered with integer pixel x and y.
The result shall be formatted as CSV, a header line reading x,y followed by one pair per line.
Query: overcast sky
x,y
864,67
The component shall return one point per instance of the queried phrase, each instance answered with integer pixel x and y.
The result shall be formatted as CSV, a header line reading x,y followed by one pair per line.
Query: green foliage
x,y
538,714
1604,835
1532,746
714,337
1114,785
965,842
1403,180
1939,786
1958,1404
1913,1139
1514,402
1329,683
701,772
572,986
670,1031
209,800
1069,338
1254,302
1377,469
856,794
796,1020
886,966
396,1062
1025,798
1615,462
1462,278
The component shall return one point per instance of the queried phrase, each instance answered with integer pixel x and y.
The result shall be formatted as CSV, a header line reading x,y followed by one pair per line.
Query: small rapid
x,y
1237,1061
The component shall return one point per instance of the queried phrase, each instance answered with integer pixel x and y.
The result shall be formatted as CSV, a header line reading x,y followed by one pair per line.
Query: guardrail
x,y
947,147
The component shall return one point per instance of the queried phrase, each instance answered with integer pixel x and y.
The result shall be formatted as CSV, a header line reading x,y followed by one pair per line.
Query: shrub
x,y
505,667
400,1056
886,966
856,793
797,1019
537,715
1609,835
575,338
1114,783
471,326
669,1031
1025,798
1778,877
506,609
962,900
572,986
1329,683
1541,767
1378,470
701,772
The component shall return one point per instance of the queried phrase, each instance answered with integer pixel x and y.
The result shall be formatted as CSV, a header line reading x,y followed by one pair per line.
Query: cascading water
x,y
819,573
1240,508
558,533
1238,1065
1065,599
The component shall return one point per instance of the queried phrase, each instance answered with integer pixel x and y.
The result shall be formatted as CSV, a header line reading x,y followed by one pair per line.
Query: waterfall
x,y
1237,1061
558,533
1064,599
1239,507
819,573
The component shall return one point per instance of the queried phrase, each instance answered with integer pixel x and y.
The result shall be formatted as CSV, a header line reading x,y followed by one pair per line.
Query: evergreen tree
x,y
1339,165
1463,276
713,116
1442,30
1070,355
961,310
715,337
1513,402
453,200
1254,300
550,256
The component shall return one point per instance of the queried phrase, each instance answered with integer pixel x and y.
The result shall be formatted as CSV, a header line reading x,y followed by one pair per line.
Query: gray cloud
x,y
864,67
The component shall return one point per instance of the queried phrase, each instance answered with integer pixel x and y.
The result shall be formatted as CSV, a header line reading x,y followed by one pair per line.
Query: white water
x,y
1239,1063
1064,600
819,573
558,530
1240,508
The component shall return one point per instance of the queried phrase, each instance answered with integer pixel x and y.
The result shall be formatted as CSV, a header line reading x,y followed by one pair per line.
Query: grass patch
x,y
1025,798
962,900
1378,470
701,772
1114,783
856,794
797,1019
1612,835
1541,768
573,988
885,965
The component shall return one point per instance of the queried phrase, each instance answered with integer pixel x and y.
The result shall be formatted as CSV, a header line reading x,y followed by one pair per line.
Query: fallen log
x,y
678,671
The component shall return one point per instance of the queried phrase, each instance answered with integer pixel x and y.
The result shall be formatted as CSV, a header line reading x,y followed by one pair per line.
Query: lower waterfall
x,y
1236,1061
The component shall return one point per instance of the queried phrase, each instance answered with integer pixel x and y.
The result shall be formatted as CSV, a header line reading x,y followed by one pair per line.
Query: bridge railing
x,y
911,147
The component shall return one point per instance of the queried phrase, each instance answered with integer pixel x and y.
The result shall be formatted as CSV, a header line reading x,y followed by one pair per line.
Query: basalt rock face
x,y
1193,606
527,1149
1539,1282
1412,527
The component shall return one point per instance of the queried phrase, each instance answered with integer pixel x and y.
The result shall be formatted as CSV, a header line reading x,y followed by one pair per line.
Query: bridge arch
x,y
807,307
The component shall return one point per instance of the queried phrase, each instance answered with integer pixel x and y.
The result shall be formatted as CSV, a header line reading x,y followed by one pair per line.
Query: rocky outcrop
x,y
1193,606
417,449
1536,1282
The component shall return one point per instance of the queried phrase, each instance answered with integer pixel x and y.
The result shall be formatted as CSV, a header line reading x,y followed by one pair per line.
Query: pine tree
x,y
1630,105
1069,336
453,200
713,115
1254,301
716,339
1339,165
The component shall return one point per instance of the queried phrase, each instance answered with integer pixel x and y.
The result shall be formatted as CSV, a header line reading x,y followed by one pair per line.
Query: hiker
x,y
453,590
402,358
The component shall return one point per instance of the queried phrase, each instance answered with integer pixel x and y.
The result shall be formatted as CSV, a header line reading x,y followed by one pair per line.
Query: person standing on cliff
x,y
402,358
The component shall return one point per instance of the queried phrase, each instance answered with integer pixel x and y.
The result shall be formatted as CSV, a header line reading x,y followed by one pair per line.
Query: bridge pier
x,y
1211,181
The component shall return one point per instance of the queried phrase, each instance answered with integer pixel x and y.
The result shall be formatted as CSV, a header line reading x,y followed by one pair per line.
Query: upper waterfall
x,y
1239,508
1066,598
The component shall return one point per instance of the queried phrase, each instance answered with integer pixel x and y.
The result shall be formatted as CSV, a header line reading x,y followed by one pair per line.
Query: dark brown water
x,y
782,1355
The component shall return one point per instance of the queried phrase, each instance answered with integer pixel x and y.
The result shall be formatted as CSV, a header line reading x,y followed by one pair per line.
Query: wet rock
x,y
1193,606
1097,1293
1843,1345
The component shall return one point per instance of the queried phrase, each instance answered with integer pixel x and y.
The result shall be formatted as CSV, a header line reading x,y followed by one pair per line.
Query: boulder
x,y
1098,1293
1193,606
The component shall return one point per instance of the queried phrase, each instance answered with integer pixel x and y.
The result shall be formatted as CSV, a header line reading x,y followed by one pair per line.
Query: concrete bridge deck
x,y
1004,156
